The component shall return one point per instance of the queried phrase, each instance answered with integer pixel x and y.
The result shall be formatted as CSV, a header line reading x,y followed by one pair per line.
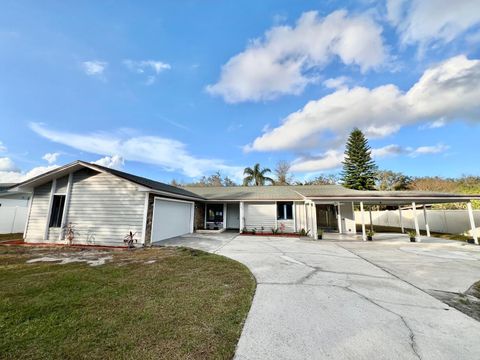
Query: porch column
x,y
362,215
61,236
415,219
224,215
425,217
242,216
339,219
314,221
472,222
370,215
401,219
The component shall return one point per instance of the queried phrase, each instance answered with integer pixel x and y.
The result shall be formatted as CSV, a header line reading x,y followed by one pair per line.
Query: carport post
x,y
472,222
242,216
427,227
401,219
370,215
364,234
339,219
415,219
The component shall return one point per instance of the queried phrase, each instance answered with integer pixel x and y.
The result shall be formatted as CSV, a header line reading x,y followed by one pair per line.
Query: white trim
x,y
276,215
192,219
339,218
205,216
472,222
66,205
425,217
49,213
415,219
314,221
364,233
242,215
145,215
294,210
401,219
224,222
30,200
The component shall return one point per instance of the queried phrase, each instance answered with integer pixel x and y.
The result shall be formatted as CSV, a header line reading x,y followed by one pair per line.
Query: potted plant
x,y
413,235
370,234
320,234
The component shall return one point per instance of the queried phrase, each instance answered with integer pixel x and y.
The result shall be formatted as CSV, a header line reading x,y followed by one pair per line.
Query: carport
x,y
345,200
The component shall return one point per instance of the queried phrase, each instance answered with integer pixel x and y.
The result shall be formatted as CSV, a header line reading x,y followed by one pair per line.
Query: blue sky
x,y
180,89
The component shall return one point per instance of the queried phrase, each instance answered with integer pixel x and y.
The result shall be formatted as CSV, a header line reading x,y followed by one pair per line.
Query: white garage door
x,y
171,218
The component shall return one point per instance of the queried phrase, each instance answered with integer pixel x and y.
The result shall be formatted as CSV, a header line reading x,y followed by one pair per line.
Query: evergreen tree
x,y
359,170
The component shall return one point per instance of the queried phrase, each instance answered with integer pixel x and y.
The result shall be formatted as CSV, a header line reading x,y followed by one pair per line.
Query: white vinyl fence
x,y
442,221
12,219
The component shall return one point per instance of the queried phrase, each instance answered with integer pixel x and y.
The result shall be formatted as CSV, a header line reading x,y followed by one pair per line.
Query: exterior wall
x,y
37,219
260,214
199,216
348,218
442,221
13,213
148,226
300,219
102,209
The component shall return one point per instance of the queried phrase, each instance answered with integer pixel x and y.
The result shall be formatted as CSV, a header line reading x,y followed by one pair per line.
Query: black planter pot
x,y
412,239
471,241
319,237
369,238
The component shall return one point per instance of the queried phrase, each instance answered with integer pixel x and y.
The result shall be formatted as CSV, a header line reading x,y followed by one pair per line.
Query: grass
x,y
14,236
391,229
187,304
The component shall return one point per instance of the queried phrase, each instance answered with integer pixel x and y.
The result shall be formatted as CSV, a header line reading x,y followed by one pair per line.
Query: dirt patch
x,y
467,302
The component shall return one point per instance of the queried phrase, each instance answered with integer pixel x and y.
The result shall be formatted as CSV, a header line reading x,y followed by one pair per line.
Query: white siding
x,y
104,208
37,219
61,186
300,216
260,214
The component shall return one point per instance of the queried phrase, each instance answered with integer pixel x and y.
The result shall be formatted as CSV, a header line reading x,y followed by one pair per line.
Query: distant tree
x,y
388,180
216,179
176,183
359,169
330,179
256,176
282,173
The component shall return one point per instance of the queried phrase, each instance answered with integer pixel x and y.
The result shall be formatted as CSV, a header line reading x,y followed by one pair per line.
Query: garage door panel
x,y
170,219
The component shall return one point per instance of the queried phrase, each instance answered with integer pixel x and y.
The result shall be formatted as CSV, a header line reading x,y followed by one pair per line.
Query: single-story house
x,y
101,206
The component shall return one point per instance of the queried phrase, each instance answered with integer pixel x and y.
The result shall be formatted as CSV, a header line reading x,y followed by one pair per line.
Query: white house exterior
x,y
102,206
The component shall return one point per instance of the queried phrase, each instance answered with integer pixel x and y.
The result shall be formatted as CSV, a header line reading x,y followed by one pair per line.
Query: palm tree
x,y
256,176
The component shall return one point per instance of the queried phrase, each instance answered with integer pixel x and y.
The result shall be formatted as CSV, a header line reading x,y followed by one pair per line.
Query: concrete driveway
x,y
352,300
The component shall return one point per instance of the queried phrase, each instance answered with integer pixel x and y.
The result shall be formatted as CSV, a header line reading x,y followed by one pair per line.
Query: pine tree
x,y
359,170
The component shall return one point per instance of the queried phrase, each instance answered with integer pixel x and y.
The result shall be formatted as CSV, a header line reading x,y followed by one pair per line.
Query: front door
x,y
327,218
233,216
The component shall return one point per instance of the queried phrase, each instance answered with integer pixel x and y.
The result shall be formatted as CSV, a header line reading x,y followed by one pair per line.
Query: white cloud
x,y
94,67
425,150
3,148
434,124
337,83
427,21
285,59
331,159
151,68
6,164
389,150
51,157
448,90
114,162
10,173
170,154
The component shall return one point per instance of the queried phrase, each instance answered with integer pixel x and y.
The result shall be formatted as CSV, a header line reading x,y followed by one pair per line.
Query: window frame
x,y
282,210
219,209
56,214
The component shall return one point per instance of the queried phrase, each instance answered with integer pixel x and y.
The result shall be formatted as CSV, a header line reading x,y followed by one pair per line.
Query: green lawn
x,y
159,303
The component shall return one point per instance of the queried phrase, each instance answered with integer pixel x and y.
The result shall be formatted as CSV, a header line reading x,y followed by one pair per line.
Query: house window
x,y
57,211
214,212
285,211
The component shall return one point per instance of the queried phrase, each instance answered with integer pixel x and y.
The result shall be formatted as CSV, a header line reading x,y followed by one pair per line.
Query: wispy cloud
x,y
114,162
169,154
3,148
150,68
51,157
94,67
